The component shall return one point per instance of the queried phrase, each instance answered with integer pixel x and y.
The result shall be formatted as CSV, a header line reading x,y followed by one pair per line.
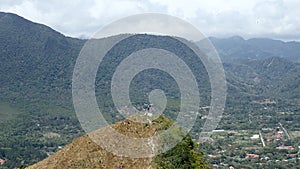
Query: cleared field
x,y
7,112
294,134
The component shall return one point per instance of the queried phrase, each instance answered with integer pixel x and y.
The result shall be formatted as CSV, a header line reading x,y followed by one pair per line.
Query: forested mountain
x,y
271,77
34,58
36,71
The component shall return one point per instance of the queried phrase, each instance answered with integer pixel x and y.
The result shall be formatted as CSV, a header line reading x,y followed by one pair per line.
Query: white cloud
x,y
271,18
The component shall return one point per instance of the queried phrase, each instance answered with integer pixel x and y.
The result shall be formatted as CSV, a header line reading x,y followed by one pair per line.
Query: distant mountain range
x,y
236,47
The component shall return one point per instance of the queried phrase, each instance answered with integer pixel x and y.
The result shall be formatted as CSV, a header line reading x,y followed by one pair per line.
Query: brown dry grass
x,y
84,153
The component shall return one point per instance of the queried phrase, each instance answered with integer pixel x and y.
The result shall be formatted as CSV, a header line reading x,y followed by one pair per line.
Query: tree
x,y
185,155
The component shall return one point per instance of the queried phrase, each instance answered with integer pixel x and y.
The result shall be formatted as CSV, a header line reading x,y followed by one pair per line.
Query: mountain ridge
x,y
236,47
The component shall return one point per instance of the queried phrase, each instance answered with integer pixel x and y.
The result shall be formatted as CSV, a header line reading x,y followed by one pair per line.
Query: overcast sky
x,y
277,19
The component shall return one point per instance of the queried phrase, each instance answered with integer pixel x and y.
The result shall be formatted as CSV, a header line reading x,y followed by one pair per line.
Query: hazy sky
x,y
278,19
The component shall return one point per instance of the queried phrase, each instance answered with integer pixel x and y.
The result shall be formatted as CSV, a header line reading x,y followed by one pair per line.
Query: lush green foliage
x,y
185,155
